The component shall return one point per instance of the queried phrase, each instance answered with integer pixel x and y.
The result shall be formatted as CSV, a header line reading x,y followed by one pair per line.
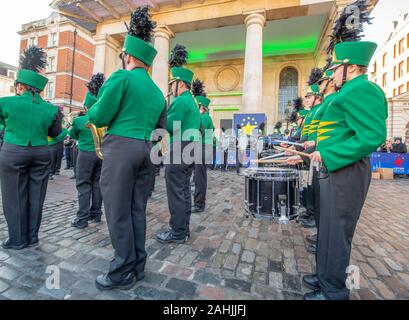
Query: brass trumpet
x,y
97,134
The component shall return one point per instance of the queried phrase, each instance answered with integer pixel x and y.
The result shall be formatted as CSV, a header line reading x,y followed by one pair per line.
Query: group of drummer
x,y
345,124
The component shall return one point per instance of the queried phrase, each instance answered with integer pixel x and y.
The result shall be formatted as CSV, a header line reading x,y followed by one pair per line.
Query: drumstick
x,y
278,155
269,161
303,154
289,143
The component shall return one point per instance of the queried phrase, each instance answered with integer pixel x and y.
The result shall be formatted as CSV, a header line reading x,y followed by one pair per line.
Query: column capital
x,y
255,17
163,31
106,39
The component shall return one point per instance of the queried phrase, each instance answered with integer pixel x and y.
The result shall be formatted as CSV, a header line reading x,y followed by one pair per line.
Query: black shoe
x,y
309,224
8,246
311,281
103,282
57,173
312,239
51,178
33,242
197,209
312,248
167,237
79,224
139,276
315,295
95,220
73,178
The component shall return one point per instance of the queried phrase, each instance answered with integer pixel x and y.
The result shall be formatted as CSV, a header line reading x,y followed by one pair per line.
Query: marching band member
x,y
89,166
183,127
25,156
131,106
352,127
207,129
57,151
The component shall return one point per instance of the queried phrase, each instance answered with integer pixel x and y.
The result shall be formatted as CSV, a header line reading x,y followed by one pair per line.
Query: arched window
x,y
288,89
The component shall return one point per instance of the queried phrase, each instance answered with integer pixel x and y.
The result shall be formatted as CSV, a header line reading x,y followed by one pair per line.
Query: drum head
x,y
271,174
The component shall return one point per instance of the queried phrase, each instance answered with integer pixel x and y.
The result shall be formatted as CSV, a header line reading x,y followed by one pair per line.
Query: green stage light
x,y
271,48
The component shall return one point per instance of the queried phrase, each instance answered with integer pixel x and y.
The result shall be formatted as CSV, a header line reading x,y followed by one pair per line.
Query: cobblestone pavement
x,y
228,257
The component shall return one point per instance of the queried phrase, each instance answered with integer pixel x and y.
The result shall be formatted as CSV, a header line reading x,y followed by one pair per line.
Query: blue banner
x,y
249,121
399,162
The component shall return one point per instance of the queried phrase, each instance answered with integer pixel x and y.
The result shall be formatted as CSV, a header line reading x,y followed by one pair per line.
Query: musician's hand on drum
x,y
284,145
316,156
308,144
294,160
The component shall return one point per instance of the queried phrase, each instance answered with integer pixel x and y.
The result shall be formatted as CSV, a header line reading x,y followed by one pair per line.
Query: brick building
x,y
61,37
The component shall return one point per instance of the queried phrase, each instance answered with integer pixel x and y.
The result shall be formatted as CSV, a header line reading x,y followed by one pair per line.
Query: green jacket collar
x,y
186,93
354,80
37,97
330,95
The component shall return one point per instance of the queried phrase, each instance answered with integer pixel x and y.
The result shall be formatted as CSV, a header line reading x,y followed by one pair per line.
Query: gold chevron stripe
x,y
327,123
322,131
323,138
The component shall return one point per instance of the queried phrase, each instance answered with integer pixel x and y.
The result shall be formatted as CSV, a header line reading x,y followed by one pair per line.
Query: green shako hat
x,y
138,42
177,60
93,86
205,102
198,91
32,61
359,53
314,90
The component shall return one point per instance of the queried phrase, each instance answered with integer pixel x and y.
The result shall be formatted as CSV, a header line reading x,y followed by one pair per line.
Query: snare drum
x,y
272,193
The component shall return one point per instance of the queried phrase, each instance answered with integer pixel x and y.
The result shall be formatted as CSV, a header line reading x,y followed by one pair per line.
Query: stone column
x,y
253,64
160,67
107,51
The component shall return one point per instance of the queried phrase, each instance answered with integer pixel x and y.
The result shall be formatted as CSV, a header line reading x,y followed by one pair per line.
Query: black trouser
x,y
60,154
214,158
309,199
225,163
126,173
24,178
343,195
56,151
155,173
238,164
316,195
178,188
201,176
89,192
75,158
69,157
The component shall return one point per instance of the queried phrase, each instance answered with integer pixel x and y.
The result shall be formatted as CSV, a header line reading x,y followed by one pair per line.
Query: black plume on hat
x,y
298,104
278,125
96,83
178,57
349,25
198,88
141,25
315,76
33,58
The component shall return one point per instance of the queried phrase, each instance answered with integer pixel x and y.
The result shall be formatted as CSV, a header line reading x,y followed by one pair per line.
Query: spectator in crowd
x,y
399,147
386,147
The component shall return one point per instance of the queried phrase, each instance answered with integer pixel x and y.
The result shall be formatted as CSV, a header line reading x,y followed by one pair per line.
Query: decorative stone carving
x,y
227,79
